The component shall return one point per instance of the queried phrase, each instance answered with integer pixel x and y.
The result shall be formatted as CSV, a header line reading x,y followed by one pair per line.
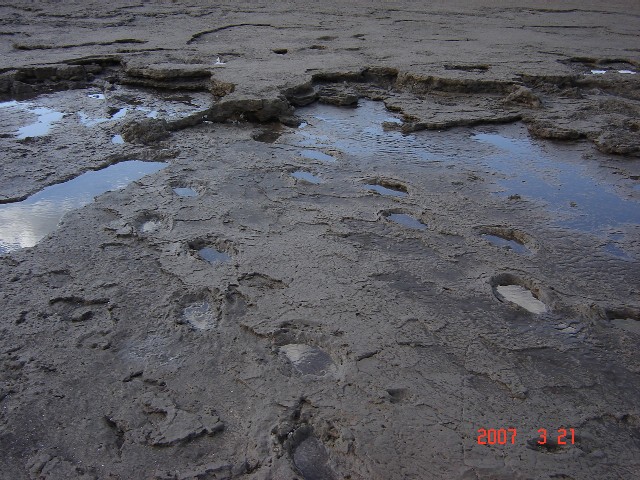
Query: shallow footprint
x,y
199,316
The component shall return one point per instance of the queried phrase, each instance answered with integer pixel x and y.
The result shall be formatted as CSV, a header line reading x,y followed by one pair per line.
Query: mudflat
x,y
320,241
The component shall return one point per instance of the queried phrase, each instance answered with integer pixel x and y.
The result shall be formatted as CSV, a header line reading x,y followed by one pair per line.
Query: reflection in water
x,y
556,176
46,117
508,244
92,122
316,155
25,223
522,297
213,256
185,192
406,221
581,202
306,176
379,189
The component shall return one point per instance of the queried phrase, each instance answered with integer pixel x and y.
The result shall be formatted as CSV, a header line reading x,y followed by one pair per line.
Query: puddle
x,y
316,155
117,139
46,118
521,297
555,175
185,192
598,72
308,360
90,108
25,223
406,221
567,188
385,191
306,176
92,122
628,72
213,256
507,244
199,316
359,132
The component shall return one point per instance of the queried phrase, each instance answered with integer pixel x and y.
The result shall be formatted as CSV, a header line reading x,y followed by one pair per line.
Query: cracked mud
x,y
278,241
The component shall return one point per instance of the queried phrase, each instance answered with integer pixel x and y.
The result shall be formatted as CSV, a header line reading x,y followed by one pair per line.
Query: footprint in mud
x,y
508,239
308,360
405,220
312,460
150,226
213,256
199,316
149,222
387,187
316,155
212,251
185,192
306,177
521,297
508,288
625,318
267,136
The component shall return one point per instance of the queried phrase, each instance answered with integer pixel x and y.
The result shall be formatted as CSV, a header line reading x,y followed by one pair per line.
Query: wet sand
x,y
369,242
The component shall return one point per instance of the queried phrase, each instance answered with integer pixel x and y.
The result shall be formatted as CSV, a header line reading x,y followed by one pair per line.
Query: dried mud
x,y
321,283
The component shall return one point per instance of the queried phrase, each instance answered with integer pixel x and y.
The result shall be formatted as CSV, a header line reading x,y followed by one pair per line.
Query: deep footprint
x,y
522,297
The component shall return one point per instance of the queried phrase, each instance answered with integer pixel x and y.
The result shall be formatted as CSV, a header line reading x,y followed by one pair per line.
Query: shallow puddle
x,y
507,244
385,191
92,122
316,155
213,256
185,192
406,221
579,193
308,360
25,223
306,176
199,316
566,188
46,118
117,139
521,297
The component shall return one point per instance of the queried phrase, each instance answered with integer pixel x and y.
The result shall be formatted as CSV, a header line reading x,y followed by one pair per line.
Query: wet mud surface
x,y
285,241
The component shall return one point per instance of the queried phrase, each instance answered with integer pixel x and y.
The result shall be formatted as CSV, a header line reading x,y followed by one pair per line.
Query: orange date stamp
x,y
505,436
